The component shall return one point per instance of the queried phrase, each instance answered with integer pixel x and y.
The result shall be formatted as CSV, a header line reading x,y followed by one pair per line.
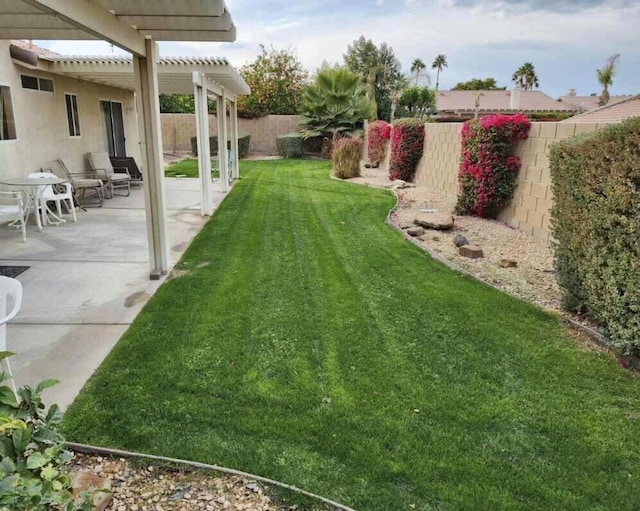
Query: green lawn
x,y
311,344
186,168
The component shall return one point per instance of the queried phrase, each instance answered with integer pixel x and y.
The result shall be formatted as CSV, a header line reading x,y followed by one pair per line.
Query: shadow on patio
x,y
87,282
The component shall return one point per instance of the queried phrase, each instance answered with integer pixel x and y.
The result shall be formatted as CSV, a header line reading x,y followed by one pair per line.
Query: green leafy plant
x,y
416,102
595,180
407,145
34,467
335,105
290,145
346,158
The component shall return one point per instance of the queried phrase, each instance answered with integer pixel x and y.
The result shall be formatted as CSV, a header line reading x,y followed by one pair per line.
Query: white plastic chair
x,y
50,195
9,288
12,210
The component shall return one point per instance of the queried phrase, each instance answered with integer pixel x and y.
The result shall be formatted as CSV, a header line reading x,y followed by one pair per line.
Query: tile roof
x,y
28,45
498,100
611,113
590,102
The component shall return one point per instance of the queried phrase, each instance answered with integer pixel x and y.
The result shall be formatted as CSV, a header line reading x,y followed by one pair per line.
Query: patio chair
x,y
12,210
81,183
9,288
101,165
120,162
63,195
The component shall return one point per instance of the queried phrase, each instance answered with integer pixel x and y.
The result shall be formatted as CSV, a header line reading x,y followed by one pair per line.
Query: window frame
x,y
75,115
39,80
13,114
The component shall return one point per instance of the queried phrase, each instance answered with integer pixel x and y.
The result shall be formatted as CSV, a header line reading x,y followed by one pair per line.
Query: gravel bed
x,y
138,486
532,279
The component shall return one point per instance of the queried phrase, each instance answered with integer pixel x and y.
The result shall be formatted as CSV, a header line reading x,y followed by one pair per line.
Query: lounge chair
x,y
129,163
101,165
81,182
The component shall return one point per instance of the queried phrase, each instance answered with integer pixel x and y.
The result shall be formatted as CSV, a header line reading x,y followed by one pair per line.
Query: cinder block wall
x,y
177,130
530,208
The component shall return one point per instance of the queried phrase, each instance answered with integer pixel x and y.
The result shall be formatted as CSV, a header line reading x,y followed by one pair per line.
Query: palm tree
x,y
439,63
525,77
417,67
605,77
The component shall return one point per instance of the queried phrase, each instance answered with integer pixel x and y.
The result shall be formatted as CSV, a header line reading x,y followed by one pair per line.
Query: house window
x,y
35,83
72,114
7,124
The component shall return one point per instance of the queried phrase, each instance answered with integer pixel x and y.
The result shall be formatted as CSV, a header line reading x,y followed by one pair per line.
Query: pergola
x,y
135,26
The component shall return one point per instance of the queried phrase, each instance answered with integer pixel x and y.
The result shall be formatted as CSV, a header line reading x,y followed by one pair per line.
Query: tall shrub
x,y
377,134
346,157
407,144
488,167
596,226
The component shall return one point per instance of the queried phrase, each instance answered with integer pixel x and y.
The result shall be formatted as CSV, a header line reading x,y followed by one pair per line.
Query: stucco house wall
x,y
41,121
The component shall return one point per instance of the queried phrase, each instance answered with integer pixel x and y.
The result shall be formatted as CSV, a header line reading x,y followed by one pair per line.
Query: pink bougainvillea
x,y
377,133
407,145
488,168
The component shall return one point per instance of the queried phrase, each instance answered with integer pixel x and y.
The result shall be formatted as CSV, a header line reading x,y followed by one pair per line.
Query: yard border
x,y
105,451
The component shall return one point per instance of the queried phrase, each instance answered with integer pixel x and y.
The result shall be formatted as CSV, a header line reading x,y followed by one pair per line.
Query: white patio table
x,y
34,188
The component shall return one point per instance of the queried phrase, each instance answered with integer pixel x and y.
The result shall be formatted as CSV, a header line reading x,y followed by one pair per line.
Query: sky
x,y
566,40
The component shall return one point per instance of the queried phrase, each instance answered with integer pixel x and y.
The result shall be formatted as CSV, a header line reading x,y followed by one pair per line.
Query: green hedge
x,y
290,145
596,225
243,145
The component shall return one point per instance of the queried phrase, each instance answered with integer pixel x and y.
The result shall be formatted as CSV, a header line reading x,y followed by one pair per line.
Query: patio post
x,y
148,106
204,146
222,140
235,171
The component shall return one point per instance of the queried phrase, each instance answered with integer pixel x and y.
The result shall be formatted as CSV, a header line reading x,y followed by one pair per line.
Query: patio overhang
x,y
134,26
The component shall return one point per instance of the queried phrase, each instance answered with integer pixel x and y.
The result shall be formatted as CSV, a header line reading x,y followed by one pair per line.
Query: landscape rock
x,y
460,240
437,221
508,263
414,231
84,480
405,224
471,251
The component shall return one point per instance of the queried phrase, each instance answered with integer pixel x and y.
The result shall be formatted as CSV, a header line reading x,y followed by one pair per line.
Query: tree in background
x,y
479,84
335,105
605,77
416,101
439,63
525,77
277,80
379,67
417,67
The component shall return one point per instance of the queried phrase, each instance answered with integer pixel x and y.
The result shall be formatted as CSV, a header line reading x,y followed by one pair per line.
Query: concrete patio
x,y
87,282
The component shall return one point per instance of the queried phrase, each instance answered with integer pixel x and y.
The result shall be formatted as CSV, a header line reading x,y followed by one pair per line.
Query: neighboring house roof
x,y
611,113
175,74
498,100
587,103
28,45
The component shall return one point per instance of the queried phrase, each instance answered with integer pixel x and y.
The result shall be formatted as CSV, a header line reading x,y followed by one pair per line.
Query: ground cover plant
x,y
596,225
186,168
308,342
488,167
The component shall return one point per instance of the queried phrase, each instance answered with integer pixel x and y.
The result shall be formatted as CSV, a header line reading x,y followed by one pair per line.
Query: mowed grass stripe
x,y
310,343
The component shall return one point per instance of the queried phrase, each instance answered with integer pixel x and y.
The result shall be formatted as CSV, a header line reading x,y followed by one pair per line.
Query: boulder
x,y
414,231
508,263
460,240
84,480
471,251
437,221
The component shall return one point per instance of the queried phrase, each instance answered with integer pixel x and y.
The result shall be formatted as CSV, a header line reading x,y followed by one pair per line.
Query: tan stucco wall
x,y
530,208
177,130
41,121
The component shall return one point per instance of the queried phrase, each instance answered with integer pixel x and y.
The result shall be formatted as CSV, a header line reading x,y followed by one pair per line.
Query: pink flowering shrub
x,y
407,144
377,133
488,168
